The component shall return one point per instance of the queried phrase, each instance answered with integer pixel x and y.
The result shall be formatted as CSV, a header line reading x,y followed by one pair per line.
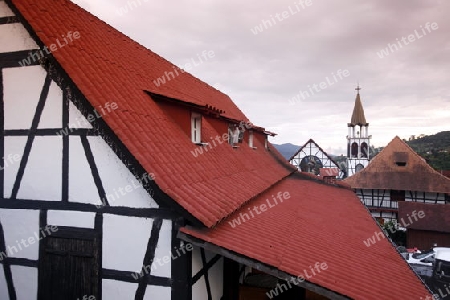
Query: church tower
x,y
358,139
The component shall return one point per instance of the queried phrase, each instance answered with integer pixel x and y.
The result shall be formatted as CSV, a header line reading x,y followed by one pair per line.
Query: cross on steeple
x,y
358,89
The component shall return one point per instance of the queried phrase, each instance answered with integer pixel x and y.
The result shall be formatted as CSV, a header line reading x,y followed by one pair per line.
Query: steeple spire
x,y
358,117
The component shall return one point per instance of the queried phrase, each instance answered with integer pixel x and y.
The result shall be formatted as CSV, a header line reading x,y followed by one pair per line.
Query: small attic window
x,y
196,128
235,135
250,139
400,158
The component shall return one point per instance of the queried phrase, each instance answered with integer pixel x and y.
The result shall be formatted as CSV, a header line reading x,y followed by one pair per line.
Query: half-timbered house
x,y
398,174
311,158
113,187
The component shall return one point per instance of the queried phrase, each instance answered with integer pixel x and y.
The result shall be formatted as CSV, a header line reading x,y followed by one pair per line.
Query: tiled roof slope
x,y
107,66
326,224
437,216
383,172
358,117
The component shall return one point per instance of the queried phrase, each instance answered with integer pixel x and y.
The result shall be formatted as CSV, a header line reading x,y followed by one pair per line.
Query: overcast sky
x,y
297,47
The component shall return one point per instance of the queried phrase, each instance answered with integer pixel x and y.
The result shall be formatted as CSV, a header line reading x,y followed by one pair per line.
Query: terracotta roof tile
x,y
107,66
436,216
329,224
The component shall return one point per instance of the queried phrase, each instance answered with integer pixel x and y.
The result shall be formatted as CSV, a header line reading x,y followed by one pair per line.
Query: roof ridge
x,y
253,197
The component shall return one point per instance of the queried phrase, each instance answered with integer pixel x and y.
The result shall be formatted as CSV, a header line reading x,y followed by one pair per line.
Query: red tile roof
x,y
383,172
324,224
330,222
107,66
436,216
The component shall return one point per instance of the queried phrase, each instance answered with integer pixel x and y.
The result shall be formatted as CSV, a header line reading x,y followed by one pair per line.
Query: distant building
x,y
398,174
311,158
358,139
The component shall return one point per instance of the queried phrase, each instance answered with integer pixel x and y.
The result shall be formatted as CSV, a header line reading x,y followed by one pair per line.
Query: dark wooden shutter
x,y
68,268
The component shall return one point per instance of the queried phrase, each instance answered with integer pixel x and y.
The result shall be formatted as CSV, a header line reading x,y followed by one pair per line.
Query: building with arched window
x,y
358,139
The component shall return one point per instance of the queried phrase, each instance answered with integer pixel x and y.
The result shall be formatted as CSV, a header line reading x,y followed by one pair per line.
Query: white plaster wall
x,y
120,185
114,289
21,224
14,146
215,276
125,242
199,291
81,183
216,280
51,115
3,287
25,282
5,11
22,88
164,249
196,261
158,292
71,218
76,119
14,37
42,178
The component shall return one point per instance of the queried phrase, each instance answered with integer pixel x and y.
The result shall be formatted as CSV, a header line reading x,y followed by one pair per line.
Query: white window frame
x,y
196,128
250,138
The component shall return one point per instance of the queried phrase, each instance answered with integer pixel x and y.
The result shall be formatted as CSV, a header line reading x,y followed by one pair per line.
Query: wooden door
x,y
68,268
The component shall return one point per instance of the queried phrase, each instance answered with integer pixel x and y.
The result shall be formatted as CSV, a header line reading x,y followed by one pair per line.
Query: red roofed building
x,y
116,185
398,174
433,228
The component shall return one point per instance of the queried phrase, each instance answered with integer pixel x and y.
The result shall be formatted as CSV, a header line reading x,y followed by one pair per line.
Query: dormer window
x,y
196,128
235,135
400,158
250,139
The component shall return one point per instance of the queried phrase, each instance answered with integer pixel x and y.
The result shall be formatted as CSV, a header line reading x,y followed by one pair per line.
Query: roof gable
x,y
107,66
398,167
308,151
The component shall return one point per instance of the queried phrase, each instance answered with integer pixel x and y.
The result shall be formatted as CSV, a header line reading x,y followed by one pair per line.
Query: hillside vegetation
x,y
434,148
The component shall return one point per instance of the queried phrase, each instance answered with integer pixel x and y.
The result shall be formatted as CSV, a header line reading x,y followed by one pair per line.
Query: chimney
x,y
329,175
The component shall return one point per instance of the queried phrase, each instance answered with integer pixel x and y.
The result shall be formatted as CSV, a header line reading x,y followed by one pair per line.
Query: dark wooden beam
x,y
148,259
9,20
12,59
7,267
181,266
84,207
51,131
127,276
34,125
231,275
205,269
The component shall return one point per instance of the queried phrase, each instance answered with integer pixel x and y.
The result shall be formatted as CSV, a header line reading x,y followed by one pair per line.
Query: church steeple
x,y
358,117
358,138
